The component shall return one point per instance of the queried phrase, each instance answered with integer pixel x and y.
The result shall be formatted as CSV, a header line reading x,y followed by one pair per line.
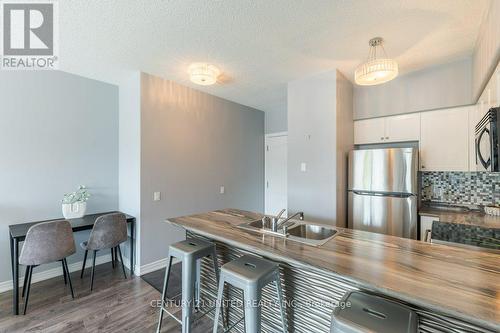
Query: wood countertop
x,y
450,280
474,218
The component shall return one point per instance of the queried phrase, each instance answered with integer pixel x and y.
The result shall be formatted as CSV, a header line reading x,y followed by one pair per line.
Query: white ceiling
x,y
260,45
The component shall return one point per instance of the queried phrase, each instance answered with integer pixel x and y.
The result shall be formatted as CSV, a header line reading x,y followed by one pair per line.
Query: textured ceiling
x,y
260,45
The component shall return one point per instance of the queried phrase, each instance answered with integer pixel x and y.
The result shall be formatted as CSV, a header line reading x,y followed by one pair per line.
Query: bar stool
x,y
371,313
189,252
250,274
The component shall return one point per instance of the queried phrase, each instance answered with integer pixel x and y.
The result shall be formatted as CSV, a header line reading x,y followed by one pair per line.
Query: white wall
x,y
312,139
345,142
487,50
436,87
191,143
130,155
276,120
57,130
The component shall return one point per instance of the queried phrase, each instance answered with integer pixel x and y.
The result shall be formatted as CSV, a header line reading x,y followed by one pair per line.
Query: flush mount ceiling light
x,y
203,73
376,70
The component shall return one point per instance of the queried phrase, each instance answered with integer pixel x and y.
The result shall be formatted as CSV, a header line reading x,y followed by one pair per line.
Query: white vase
x,y
74,210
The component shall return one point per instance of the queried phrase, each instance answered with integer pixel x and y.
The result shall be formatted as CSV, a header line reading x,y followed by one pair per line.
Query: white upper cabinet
x,y
387,129
444,140
369,131
402,128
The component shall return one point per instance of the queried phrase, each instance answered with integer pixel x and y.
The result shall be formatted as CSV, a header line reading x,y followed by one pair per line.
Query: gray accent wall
x,y
191,144
436,87
57,131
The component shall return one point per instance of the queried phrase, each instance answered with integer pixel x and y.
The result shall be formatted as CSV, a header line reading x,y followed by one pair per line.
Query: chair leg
x,y
65,264
121,259
64,272
218,305
93,271
164,292
28,285
25,280
113,257
280,300
84,261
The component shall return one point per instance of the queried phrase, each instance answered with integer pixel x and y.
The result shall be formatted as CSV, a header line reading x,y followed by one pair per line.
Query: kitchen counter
x,y
449,281
474,218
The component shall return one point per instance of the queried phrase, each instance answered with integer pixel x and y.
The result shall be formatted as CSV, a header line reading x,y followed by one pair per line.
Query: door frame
x,y
266,138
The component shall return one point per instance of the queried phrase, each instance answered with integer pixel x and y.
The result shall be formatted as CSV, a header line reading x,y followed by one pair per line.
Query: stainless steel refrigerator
x,y
382,191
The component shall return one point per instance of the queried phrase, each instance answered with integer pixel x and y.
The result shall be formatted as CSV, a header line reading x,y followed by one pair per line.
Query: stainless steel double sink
x,y
298,231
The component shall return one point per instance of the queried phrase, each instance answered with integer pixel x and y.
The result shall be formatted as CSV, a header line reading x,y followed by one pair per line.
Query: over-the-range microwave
x,y
488,141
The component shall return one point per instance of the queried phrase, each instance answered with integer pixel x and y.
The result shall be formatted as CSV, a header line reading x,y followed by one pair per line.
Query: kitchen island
x,y
452,289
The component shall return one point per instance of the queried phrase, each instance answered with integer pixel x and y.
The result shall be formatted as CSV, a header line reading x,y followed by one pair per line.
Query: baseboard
x,y
57,271
53,272
154,266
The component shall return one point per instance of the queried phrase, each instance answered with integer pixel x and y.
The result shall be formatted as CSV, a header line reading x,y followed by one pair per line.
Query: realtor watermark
x,y
30,34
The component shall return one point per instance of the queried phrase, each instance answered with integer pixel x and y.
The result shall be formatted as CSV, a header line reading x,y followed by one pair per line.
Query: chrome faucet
x,y
276,224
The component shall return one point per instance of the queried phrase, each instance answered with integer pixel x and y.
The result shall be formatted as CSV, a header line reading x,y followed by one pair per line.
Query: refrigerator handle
x,y
383,194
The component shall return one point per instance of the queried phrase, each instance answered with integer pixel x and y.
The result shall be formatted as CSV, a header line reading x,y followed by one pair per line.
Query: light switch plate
x,y
156,196
222,190
303,167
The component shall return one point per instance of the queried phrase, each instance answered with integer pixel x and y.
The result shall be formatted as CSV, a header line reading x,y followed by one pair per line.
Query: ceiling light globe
x,y
203,74
375,72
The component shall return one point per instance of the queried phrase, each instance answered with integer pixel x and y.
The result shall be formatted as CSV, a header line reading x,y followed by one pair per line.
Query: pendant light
x,y
203,73
376,70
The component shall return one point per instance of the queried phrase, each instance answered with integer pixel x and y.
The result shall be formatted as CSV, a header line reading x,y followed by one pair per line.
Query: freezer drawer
x,y
390,215
384,170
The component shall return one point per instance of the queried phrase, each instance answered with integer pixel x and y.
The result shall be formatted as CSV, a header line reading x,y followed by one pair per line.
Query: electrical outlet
x,y
156,196
222,190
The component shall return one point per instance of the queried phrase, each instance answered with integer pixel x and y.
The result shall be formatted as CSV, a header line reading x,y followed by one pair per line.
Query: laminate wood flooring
x,y
115,305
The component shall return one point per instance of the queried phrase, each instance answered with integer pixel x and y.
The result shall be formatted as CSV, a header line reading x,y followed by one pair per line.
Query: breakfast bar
x,y
451,289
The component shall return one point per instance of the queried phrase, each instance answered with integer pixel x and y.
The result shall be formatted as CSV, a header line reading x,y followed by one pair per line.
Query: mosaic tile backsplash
x,y
461,188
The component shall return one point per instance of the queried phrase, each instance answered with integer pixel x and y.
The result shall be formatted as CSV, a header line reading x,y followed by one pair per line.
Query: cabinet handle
x,y
387,138
423,166
381,138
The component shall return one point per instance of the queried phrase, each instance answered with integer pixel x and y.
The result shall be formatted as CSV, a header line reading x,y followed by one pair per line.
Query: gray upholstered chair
x,y
45,243
109,232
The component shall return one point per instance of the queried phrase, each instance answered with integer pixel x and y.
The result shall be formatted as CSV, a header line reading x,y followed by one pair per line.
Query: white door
x,y
369,131
275,186
444,142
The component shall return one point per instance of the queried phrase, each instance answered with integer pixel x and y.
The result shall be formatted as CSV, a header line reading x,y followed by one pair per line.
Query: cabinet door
x,y
402,128
444,140
369,131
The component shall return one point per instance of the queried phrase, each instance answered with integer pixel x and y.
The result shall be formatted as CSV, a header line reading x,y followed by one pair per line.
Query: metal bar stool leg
x,y
164,292
219,304
113,257
252,309
84,262
188,269
197,285
280,300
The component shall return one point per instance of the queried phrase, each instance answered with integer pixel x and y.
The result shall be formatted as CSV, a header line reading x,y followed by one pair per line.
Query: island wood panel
x,y
455,282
